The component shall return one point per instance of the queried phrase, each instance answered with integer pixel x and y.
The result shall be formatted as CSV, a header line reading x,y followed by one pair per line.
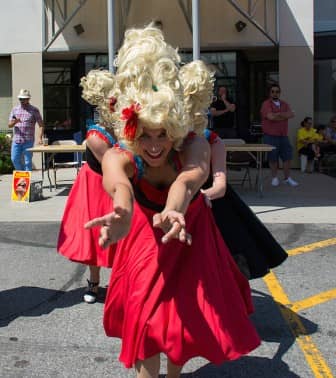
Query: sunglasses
x,y
22,185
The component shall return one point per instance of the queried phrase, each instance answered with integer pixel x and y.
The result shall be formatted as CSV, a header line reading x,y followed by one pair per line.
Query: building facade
x,y
250,44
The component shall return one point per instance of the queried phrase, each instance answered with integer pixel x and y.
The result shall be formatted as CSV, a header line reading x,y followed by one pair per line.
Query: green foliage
x,y
6,165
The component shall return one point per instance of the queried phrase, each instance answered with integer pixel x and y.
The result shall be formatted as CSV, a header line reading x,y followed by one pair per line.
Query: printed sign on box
x,y
21,186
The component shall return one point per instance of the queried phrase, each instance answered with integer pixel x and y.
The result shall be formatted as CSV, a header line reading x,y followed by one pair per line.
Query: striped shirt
x,y
29,115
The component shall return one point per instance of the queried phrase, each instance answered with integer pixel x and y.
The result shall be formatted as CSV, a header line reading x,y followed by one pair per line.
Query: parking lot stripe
x,y
313,356
314,300
311,247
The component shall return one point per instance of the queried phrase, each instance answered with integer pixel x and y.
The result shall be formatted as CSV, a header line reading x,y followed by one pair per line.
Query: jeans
x,y
21,158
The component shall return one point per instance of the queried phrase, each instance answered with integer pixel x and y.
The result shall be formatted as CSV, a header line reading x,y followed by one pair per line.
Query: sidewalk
x,y
313,201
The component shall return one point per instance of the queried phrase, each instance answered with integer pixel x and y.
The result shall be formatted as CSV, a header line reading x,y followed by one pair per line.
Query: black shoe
x,y
90,296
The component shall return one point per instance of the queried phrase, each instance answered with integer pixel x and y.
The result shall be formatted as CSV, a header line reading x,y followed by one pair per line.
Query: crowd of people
x,y
312,143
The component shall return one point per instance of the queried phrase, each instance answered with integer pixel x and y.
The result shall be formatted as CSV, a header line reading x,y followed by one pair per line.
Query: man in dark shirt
x,y
222,112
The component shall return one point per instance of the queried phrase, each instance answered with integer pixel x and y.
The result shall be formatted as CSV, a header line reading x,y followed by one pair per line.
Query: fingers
x,y
179,232
173,225
188,239
104,239
173,233
207,195
157,220
94,222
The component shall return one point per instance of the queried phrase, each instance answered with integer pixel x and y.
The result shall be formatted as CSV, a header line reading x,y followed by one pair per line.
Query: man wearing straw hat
x,y
22,119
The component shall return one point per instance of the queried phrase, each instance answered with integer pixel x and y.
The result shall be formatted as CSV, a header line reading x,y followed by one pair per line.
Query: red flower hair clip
x,y
130,115
112,102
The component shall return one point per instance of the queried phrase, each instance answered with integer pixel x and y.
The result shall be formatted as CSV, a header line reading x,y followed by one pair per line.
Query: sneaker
x,y
291,182
275,181
91,295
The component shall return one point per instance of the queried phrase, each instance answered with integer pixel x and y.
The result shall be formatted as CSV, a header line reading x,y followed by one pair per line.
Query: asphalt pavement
x,y
47,331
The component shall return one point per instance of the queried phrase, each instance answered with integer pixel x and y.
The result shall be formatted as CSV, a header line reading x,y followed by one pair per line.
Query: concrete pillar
x,y
296,61
27,73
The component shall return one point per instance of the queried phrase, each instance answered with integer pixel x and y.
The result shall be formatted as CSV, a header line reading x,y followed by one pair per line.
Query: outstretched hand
x,y
115,226
172,223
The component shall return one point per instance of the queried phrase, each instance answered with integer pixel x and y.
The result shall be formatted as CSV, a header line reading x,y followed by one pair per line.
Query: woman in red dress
x,y
88,199
175,288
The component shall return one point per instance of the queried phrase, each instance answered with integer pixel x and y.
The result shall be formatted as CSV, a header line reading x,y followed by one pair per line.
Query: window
x,y
324,90
58,95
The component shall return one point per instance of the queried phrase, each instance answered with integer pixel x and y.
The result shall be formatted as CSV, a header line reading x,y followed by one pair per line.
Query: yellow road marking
x,y
313,356
314,300
311,247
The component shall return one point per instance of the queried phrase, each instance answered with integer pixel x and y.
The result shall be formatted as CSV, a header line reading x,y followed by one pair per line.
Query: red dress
x,y
184,301
87,200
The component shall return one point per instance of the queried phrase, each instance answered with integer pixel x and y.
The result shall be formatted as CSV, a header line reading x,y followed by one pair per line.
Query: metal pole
x,y
110,21
277,21
44,27
196,30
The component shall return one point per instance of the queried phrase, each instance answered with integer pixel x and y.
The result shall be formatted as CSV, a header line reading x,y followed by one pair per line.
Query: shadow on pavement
x,y
35,301
271,328
245,367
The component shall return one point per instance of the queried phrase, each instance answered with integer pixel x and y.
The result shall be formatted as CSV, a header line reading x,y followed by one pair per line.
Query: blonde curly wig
x,y
148,74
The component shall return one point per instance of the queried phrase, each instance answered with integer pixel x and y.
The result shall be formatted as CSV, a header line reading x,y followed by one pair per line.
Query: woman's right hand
x,y
115,226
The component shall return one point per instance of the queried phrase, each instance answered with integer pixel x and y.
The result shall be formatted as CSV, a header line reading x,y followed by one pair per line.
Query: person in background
x,y
275,114
22,119
329,134
252,246
222,112
88,198
308,142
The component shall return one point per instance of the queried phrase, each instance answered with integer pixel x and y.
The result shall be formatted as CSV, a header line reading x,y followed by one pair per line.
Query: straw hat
x,y
24,93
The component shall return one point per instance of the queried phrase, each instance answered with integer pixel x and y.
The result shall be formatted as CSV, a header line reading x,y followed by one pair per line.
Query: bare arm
x,y
195,171
13,122
280,116
196,156
41,132
230,107
218,164
215,113
97,146
117,169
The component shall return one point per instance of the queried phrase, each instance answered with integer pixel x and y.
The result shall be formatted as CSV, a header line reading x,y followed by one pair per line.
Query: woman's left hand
x,y
172,223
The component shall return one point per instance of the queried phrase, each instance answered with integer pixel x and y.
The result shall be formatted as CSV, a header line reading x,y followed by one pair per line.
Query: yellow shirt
x,y
309,134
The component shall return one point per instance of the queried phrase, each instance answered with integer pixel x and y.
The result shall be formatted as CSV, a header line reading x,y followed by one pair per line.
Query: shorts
x,y
283,148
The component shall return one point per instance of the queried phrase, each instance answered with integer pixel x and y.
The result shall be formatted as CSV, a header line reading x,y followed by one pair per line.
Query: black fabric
x,y
92,161
144,201
224,121
141,198
246,236
308,151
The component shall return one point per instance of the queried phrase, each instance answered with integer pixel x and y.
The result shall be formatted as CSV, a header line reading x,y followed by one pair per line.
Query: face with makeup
x,y
154,146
